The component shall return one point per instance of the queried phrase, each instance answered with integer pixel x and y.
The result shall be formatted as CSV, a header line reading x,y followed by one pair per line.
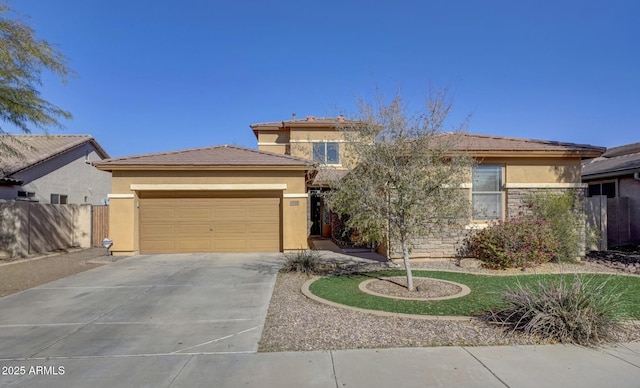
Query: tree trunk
x,y
405,257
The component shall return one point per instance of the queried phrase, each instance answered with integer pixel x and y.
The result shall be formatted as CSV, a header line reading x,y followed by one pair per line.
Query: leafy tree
x,y
23,58
406,177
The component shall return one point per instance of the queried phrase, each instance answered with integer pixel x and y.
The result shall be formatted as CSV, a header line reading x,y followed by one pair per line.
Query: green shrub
x,y
564,214
518,242
305,261
578,311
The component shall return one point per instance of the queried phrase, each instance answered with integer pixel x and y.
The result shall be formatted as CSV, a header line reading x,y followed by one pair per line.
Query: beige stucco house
x,y
213,199
227,198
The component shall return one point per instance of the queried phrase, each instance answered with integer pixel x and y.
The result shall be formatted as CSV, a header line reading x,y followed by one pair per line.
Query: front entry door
x,y
316,214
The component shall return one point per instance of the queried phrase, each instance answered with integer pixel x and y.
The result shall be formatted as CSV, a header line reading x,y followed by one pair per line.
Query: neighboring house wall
x,y
623,215
70,174
630,188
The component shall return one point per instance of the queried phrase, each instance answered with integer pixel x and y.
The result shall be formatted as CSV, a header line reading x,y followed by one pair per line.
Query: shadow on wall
x,y
566,173
28,228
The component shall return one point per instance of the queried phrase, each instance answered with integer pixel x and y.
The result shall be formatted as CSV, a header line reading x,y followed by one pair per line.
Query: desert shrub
x,y
575,310
305,261
564,214
518,242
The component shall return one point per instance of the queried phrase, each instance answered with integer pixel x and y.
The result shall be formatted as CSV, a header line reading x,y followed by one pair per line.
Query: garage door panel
x,y
210,222
153,246
158,213
262,228
231,245
194,245
193,230
229,230
260,245
194,213
230,213
261,212
158,229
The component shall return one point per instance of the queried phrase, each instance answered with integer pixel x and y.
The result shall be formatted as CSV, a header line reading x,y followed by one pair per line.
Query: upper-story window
x,y
326,153
486,193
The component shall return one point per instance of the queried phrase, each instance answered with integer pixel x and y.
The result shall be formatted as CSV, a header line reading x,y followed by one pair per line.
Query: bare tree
x,y
23,58
407,176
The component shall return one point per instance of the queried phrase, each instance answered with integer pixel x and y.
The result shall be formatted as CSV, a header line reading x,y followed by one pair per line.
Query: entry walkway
x,y
325,244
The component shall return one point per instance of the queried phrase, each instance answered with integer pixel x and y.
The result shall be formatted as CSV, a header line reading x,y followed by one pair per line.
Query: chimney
x,y
310,118
341,119
293,117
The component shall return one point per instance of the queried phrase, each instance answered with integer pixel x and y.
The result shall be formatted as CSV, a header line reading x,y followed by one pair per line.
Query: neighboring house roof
x,y
622,150
622,160
479,144
216,156
31,150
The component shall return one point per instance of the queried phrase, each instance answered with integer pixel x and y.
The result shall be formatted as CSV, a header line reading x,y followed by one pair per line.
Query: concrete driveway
x,y
142,306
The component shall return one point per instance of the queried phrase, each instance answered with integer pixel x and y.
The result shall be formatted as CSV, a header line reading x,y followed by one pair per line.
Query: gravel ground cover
x,y
19,275
296,323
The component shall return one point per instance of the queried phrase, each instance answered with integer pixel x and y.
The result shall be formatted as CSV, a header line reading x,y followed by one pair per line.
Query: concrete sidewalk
x,y
508,366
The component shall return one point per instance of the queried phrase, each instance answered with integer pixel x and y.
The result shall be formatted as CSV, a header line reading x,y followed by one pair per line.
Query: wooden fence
x,y
610,217
100,225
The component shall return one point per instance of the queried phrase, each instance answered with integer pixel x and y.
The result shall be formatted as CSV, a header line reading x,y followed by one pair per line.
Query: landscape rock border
x,y
464,290
306,292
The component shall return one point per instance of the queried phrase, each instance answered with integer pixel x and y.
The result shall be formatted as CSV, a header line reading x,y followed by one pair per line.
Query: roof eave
x,y
526,154
191,167
45,159
610,174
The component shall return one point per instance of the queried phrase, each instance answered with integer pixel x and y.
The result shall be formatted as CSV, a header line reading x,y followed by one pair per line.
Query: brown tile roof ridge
x,y
306,120
287,159
548,143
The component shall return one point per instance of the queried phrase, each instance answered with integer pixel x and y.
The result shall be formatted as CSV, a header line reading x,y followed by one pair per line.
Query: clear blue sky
x,y
164,75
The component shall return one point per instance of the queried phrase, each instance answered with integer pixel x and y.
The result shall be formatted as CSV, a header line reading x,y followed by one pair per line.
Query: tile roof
x,y
485,143
223,155
307,120
611,166
622,150
29,150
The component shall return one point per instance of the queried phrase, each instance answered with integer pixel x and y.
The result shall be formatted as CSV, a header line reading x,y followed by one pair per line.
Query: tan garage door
x,y
209,222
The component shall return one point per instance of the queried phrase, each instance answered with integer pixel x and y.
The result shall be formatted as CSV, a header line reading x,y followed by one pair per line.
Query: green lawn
x,y
484,294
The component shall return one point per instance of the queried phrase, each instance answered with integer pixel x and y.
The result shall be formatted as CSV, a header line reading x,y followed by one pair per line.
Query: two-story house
x,y
509,169
234,199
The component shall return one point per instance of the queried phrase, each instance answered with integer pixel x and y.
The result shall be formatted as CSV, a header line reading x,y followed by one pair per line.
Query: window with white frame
x,y
60,199
326,153
486,193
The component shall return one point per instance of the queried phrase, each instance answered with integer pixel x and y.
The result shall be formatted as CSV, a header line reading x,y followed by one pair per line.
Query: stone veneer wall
x,y
445,244
516,197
